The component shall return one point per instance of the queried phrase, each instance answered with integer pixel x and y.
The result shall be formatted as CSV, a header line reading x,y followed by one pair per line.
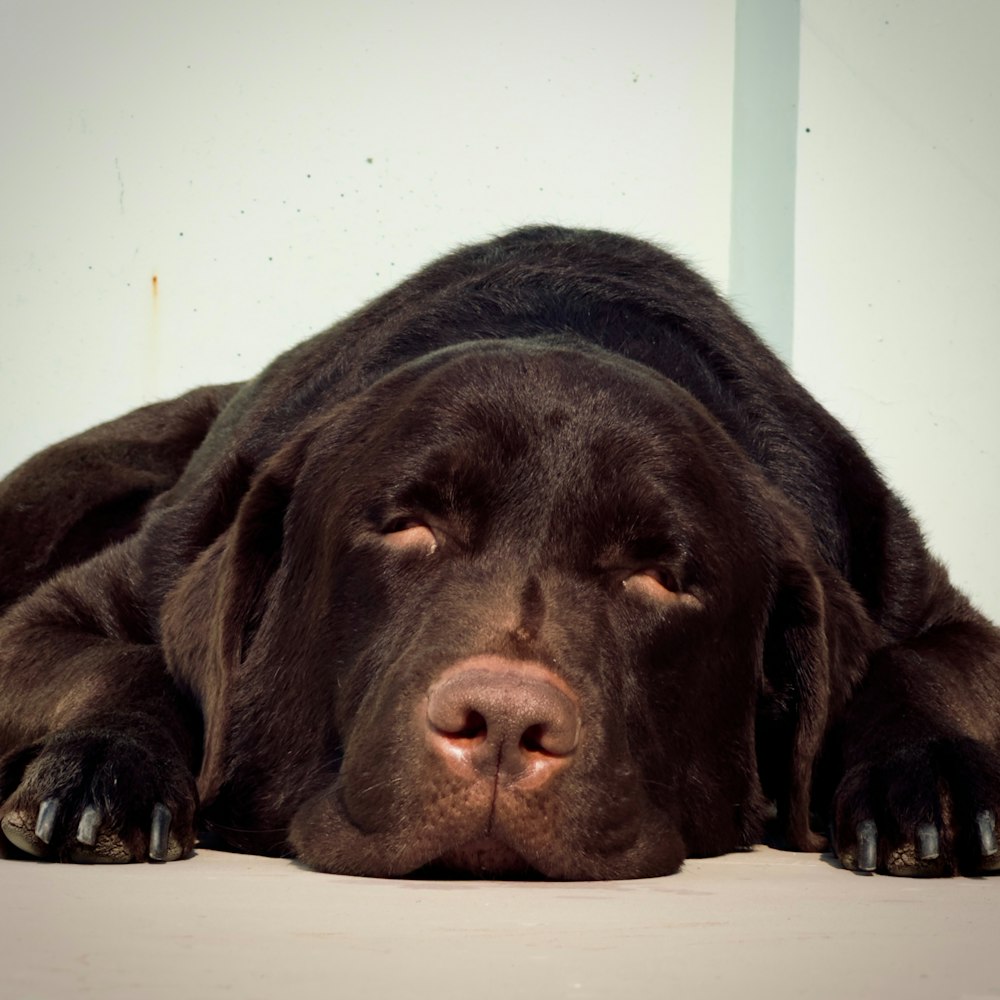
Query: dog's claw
x,y
928,842
986,822
90,821
867,835
46,823
159,833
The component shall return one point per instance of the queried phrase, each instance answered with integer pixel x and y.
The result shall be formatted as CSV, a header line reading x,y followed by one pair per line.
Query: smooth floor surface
x,y
762,924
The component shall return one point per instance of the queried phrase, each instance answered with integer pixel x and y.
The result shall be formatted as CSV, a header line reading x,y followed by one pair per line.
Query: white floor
x,y
765,924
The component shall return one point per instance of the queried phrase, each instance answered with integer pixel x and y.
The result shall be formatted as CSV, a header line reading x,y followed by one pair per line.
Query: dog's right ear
x,y
211,616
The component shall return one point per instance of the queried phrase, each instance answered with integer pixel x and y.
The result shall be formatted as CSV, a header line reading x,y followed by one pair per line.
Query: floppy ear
x,y
210,618
815,651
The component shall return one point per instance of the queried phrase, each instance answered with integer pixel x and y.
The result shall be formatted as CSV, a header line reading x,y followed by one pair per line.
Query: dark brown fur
x,y
557,451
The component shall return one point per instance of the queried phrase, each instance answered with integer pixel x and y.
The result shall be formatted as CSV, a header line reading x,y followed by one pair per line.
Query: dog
x,y
539,565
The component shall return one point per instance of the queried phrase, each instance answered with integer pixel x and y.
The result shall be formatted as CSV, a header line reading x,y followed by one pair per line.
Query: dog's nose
x,y
505,720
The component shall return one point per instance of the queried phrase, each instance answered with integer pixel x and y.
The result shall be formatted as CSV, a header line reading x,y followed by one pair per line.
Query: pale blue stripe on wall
x,y
765,125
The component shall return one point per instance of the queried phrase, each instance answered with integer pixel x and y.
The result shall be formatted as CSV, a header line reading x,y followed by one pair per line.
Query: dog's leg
x,y
98,745
920,791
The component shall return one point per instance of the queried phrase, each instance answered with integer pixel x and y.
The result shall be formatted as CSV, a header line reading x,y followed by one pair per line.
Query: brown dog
x,y
541,563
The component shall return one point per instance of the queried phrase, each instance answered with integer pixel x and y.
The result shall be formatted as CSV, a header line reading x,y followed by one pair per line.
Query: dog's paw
x,y
929,808
99,795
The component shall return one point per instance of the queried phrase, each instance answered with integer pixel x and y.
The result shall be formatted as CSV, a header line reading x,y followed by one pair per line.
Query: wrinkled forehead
x,y
506,385
575,418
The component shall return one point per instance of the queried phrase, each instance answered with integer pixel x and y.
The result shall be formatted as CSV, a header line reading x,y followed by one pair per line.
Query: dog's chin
x,y
486,858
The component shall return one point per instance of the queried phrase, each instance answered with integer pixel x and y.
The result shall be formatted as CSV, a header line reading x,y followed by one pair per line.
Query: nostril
x,y
473,728
476,730
533,741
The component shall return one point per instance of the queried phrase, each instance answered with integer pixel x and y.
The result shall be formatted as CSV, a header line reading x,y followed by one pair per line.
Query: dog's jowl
x,y
540,564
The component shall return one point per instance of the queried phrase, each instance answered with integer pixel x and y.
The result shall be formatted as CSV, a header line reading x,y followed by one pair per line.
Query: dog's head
x,y
507,610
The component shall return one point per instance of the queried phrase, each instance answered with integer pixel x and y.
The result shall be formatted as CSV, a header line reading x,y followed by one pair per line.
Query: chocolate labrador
x,y
541,564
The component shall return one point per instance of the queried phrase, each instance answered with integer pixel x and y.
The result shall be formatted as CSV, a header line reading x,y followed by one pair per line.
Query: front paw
x,y
102,794
928,808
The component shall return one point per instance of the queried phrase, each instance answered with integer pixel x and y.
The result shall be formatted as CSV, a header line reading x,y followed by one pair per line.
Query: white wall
x,y
897,324
273,166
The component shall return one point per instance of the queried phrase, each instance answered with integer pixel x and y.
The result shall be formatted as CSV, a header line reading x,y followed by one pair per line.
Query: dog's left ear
x,y
816,647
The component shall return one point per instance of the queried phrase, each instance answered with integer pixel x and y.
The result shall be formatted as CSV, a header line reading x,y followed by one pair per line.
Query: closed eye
x,y
409,534
655,584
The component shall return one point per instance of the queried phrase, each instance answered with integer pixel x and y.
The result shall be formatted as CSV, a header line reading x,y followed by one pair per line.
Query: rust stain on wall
x,y
151,361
